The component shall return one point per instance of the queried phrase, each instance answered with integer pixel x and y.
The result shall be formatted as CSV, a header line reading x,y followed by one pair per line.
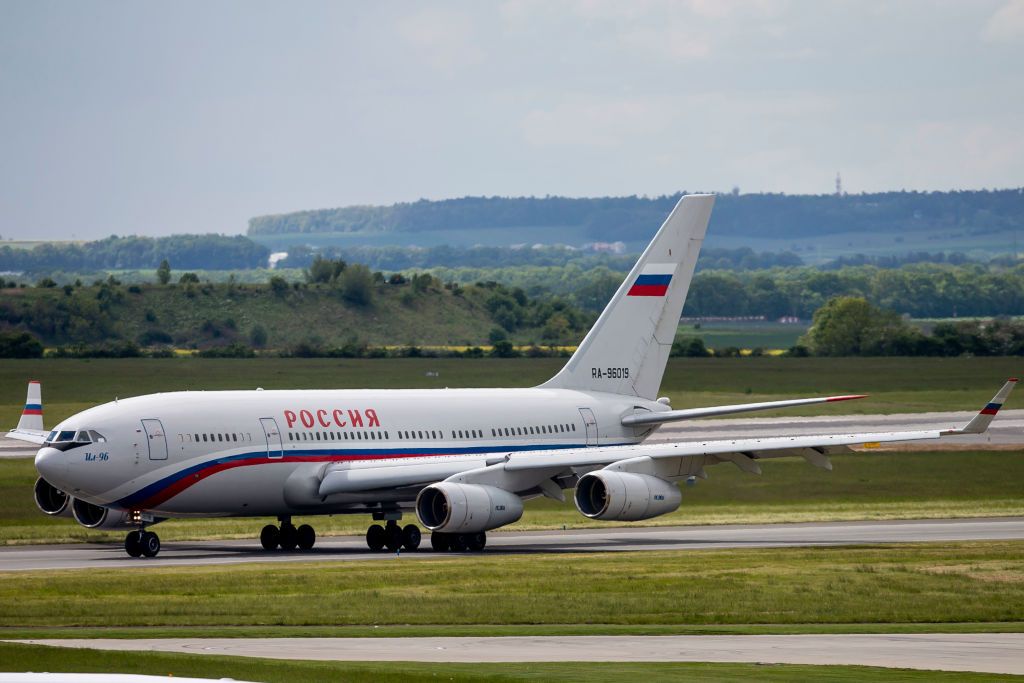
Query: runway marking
x,y
996,653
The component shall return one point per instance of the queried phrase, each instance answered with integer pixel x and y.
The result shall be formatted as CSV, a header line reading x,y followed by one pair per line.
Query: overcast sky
x,y
152,118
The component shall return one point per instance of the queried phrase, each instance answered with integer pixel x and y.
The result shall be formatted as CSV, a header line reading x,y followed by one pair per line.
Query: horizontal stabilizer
x,y
696,413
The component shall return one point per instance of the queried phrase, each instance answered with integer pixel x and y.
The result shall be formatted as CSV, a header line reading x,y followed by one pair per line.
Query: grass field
x,y
896,385
746,335
974,583
870,485
32,657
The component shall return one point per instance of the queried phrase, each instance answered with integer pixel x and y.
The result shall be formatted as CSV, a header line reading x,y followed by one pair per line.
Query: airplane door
x,y
155,439
590,423
275,448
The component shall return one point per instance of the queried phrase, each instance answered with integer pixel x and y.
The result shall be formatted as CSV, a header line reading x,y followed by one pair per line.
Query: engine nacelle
x,y
625,496
51,499
466,508
98,517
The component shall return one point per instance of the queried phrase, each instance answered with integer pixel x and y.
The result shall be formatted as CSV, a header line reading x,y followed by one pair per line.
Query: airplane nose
x,y
51,465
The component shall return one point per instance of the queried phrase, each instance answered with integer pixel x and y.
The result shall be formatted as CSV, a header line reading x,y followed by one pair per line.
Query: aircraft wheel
x,y
305,537
411,537
459,542
150,544
440,542
393,537
289,537
375,537
133,543
477,541
269,537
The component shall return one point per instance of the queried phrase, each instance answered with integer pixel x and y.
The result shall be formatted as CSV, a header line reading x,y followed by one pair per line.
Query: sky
x,y
121,117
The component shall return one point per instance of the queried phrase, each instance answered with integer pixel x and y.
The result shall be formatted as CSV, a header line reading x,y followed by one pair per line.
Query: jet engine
x,y
466,508
51,499
625,496
98,517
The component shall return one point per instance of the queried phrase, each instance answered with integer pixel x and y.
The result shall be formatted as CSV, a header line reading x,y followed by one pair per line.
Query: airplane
x,y
462,460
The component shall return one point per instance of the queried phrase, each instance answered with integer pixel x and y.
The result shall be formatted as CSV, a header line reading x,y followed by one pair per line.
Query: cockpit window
x,y
65,440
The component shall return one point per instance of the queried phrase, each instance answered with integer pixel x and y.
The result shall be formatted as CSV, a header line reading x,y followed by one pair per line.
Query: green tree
x,y
324,270
163,273
20,345
357,285
278,285
187,278
850,326
258,336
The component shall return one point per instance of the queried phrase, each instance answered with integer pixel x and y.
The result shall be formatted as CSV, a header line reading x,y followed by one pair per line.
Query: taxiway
x,y
353,548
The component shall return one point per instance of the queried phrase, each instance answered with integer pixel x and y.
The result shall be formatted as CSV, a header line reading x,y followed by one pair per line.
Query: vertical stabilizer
x,y
32,415
627,349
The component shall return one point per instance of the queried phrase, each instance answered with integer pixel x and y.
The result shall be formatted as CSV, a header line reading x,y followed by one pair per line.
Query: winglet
x,y
32,415
980,422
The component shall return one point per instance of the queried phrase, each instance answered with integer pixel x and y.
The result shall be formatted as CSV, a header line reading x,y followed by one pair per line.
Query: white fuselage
x,y
231,453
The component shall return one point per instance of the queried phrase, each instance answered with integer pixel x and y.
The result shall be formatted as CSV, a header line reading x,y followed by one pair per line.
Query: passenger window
x,y
386,434
204,438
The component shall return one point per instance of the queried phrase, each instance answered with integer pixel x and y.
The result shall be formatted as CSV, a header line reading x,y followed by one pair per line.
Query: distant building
x,y
789,320
275,258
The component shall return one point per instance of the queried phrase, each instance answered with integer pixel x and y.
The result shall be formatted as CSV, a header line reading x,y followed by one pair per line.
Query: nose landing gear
x,y
141,543
287,536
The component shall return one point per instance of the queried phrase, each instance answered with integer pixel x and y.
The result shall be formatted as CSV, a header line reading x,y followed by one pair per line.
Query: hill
x,y
204,315
822,226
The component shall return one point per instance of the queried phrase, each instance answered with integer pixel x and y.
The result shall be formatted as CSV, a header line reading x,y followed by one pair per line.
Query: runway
x,y
619,539
997,653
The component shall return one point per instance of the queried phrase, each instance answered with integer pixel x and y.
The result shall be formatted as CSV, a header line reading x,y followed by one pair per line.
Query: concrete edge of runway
x,y
995,653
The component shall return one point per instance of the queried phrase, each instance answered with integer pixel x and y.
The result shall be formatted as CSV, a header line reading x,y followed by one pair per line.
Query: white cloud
x,y
442,38
1007,24
598,124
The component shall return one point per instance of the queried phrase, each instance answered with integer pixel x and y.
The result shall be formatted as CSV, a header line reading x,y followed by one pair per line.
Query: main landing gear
x,y
393,537
458,543
140,543
287,536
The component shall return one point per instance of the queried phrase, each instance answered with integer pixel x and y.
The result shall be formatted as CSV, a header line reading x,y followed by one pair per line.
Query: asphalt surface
x,y
998,653
353,548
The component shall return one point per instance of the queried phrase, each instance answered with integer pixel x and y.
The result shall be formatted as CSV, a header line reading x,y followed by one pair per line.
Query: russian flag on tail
x,y
33,404
653,280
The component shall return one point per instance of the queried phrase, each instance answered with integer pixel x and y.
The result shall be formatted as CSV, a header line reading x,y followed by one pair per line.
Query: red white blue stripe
x,y
653,280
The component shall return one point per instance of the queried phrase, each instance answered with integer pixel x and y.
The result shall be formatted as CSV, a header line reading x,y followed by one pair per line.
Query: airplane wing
x,y
548,471
30,426
695,413
520,472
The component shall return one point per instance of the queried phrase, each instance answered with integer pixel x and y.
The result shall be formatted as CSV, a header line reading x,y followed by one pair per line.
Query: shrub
x,y
19,345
